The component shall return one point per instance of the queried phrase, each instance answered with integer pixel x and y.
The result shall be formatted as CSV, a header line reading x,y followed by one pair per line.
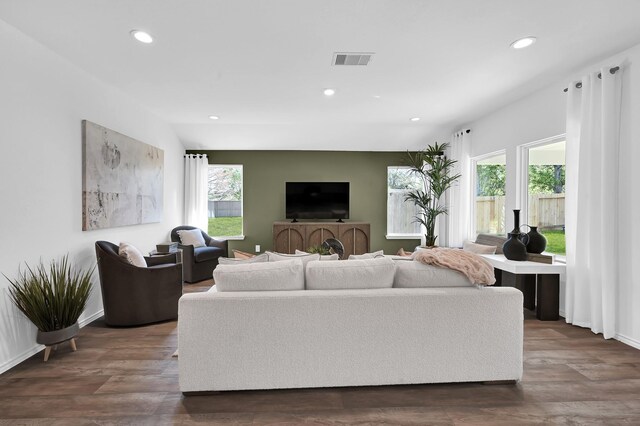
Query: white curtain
x,y
196,190
593,124
459,195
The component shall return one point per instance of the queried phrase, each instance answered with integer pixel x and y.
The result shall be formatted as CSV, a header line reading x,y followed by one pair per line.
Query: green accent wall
x,y
265,174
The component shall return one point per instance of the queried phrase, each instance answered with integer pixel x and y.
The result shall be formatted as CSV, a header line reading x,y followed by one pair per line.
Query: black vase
x,y
537,242
513,248
516,221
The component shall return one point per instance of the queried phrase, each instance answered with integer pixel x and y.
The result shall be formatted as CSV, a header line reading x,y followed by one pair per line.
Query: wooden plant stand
x,y
47,349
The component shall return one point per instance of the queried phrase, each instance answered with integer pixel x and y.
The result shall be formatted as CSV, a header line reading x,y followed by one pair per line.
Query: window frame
x,y
231,237
522,183
473,163
395,235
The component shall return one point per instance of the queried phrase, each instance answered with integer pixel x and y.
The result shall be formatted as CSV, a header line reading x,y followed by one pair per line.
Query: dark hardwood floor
x,y
128,376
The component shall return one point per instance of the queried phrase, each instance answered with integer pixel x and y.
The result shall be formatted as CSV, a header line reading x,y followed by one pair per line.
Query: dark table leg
x,y
548,308
526,283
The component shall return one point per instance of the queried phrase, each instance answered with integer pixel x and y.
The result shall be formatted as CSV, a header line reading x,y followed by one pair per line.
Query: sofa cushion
x,y
202,254
132,255
322,256
240,261
306,258
478,248
355,274
191,237
373,255
414,274
261,276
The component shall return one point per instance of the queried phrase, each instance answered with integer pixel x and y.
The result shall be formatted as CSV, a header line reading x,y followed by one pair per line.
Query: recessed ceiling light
x,y
376,96
329,92
415,119
523,42
214,117
142,36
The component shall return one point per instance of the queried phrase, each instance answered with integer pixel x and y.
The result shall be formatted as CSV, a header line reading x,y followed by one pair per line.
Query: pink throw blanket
x,y
478,270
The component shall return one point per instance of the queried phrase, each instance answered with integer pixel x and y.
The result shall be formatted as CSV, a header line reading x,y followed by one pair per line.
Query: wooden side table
x,y
533,279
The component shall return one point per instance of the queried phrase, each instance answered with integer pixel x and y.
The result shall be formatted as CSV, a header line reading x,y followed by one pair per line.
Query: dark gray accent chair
x,y
199,263
134,296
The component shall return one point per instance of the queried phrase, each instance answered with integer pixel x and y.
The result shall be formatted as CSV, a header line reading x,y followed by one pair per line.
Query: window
x,y
400,213
489,195
225,201
544,181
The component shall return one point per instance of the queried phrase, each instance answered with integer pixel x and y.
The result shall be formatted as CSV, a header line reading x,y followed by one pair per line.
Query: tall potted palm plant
x,y
52,298
433,168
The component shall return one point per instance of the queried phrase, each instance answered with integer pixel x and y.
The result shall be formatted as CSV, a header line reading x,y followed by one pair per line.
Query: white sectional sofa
x,y
359,331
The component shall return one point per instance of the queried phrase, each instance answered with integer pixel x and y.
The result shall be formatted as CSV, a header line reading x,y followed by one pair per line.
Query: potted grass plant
x,y
433,168
52,297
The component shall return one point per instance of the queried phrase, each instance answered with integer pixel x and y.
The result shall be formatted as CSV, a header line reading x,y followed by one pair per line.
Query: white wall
x,y
43,99
542,115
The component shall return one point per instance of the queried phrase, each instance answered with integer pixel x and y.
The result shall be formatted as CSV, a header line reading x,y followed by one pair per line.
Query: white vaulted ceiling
x,y
261,66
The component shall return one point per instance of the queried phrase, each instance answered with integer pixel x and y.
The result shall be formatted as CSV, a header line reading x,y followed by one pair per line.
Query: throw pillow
x,y
191,237
240,261
322,256
306,258
267,276
478,248
242,254
379,253
132,255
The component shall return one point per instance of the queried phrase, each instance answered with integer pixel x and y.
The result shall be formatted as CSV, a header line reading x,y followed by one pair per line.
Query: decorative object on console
x,y
53,299
334,246
537,242
434,169
321,250
514,248
540,258
122,179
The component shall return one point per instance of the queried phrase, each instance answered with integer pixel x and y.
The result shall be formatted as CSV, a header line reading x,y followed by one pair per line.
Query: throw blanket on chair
x,y
478,270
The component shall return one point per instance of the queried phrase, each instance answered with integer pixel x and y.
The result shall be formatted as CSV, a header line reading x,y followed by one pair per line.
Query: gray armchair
x,y
199,262
134,296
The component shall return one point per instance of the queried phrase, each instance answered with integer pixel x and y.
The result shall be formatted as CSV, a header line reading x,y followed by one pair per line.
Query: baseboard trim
x,y
627,340
8,365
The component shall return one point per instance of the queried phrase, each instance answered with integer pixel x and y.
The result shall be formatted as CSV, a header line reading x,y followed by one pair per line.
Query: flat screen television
x,y
317,200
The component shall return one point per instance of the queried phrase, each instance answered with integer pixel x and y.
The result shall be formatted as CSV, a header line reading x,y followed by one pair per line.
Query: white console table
x,y
533,279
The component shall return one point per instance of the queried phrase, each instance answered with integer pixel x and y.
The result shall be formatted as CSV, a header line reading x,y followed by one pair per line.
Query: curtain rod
x,y
461,132
579,84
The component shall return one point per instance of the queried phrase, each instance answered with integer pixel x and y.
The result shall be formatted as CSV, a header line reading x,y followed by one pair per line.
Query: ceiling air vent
x,y
351,58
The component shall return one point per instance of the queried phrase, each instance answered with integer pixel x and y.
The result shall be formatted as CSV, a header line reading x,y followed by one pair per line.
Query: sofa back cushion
x,y
414,274
261,276
354,274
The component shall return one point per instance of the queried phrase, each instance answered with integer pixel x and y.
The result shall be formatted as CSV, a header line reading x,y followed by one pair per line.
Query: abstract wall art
x,y
122,179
